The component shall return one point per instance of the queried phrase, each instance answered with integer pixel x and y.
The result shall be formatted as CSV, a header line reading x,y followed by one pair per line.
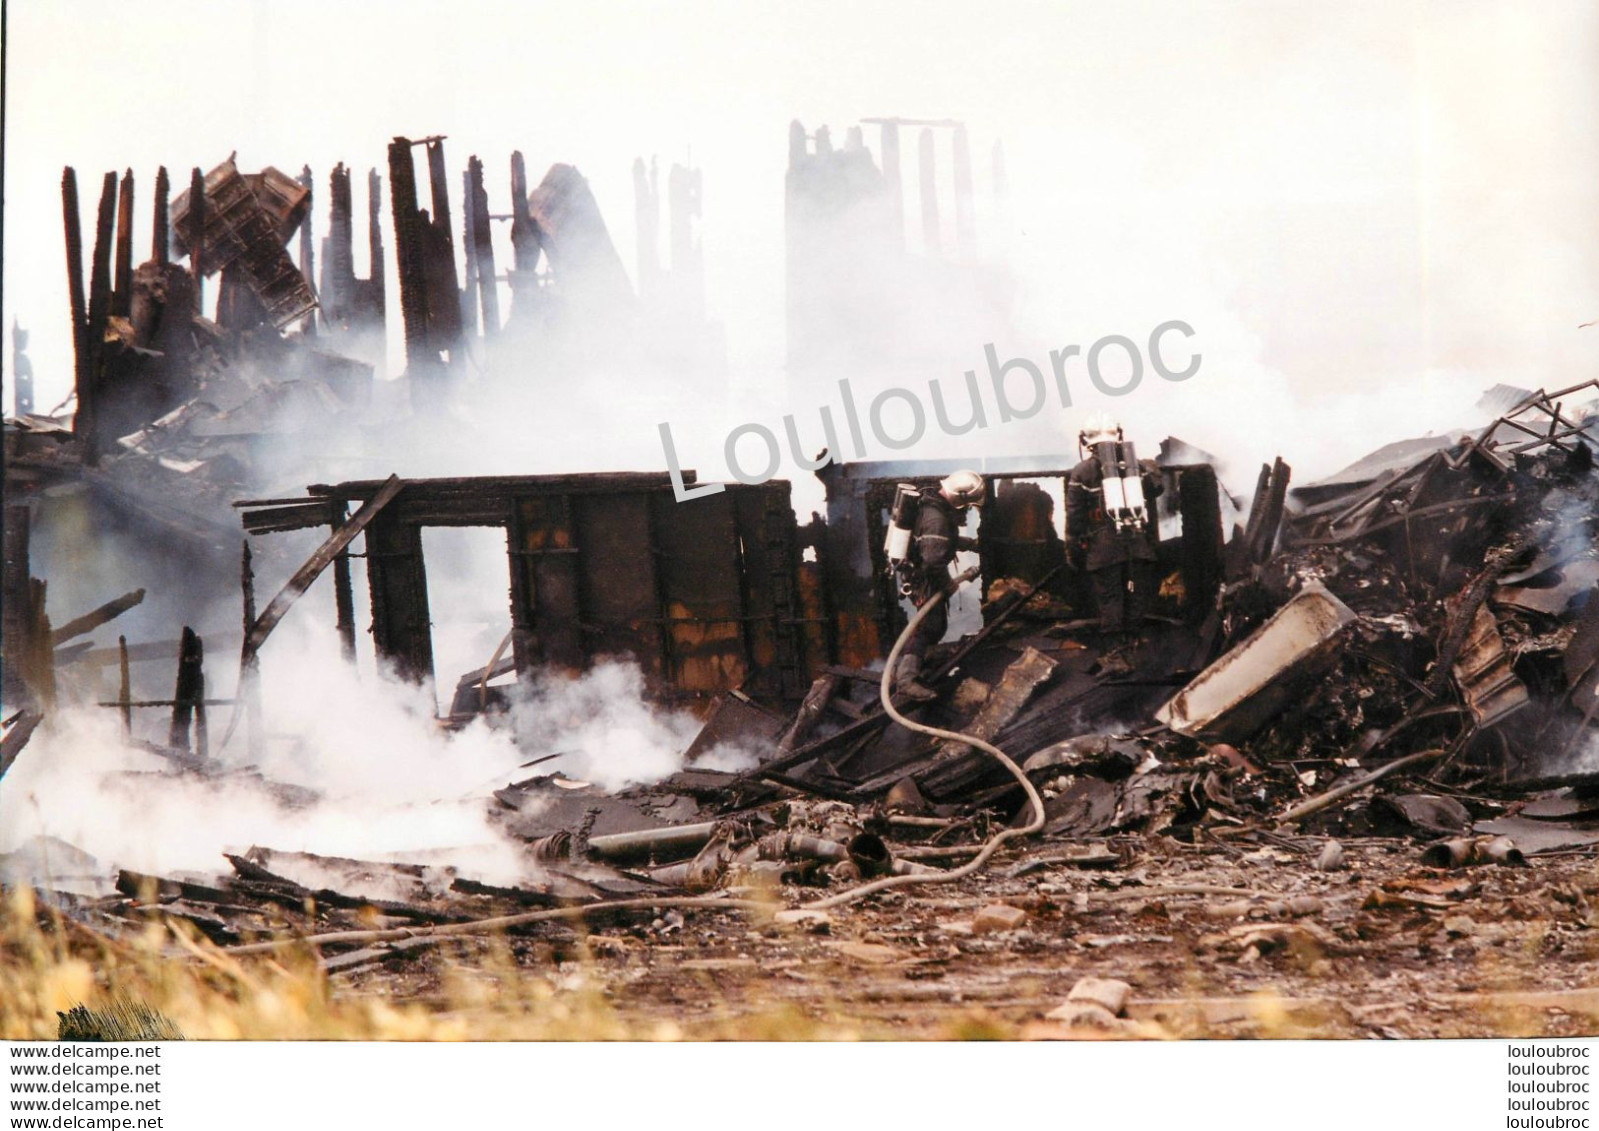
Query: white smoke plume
x,y
392,783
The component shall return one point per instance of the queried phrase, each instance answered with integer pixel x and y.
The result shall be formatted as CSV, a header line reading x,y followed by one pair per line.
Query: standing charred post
x,y
249,690
482,241
524,245
197,222
338,251
931,235
124,687
421,360
443,288
15,619
965,211
344,595
469,291
190,688
85,422
374,240
307,246
80,317
122,288
159,233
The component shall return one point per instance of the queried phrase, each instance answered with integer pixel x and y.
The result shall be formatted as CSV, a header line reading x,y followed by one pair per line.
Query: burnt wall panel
x,y
1017,533
544,556
617,588
1203,546
401,631
701,592
768,542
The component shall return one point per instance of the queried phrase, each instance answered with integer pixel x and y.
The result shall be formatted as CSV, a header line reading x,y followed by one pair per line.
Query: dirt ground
x,y
1215,940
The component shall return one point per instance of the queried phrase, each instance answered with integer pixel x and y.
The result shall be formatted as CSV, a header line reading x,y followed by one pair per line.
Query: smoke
x,y
390,782
606,733
1311,204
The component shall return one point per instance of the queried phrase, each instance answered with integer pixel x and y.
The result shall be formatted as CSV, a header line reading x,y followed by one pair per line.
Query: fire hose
x,y
886,695
850,895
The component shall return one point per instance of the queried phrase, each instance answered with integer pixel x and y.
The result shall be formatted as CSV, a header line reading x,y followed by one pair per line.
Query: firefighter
x,y
935,538
1116,546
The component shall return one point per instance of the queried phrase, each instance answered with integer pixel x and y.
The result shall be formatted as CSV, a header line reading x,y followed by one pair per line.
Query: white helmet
x,y
1098,429
964,489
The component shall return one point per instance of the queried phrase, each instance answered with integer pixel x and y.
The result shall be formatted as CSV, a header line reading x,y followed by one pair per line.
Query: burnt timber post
x,y
190,688
524,245
338,251
86,421
249,690
124,687
159,229
80,316
422,362
197,237
307,246
374,239
16,618
122,288
397,580
482,246
443,289
469,245
343,595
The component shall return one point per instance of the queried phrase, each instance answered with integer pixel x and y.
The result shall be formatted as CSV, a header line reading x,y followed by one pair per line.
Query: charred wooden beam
x,y
296,586
122,289
410,248
125,686
338,256
16,737
344,599
374,237
482,246
86,421
469,304
159,236
249,695
439,191
308,244
90,621
197,222
443,288
397,581
810,712
75,292
15,607
163,650
524,244
190,688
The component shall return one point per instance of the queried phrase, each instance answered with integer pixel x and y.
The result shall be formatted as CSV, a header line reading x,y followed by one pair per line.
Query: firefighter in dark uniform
x,y
1120,559
934,540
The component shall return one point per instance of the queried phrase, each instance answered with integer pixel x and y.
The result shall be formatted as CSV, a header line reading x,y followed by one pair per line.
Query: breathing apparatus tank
x,y
901,522
1123,484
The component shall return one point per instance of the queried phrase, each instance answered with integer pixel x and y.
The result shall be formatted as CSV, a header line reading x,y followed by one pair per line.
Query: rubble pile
x,y
1367,685
1367,656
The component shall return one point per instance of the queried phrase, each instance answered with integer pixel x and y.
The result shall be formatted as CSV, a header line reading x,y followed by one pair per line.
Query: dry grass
x,y
49,963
